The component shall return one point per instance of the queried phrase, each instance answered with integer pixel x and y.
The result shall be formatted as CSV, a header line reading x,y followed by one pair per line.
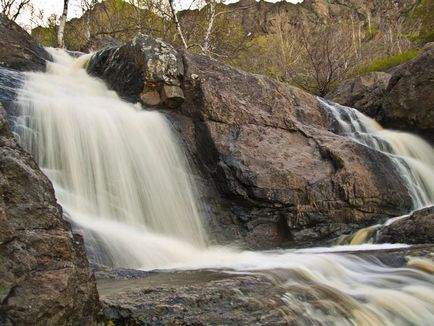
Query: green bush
x,y
384,64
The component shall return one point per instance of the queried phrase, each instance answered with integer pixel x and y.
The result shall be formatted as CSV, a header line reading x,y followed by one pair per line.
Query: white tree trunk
x,y
61,31
211,17
178,26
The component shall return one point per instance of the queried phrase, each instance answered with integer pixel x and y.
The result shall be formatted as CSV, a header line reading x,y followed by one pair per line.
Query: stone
x,y
172,96
44,273
151,98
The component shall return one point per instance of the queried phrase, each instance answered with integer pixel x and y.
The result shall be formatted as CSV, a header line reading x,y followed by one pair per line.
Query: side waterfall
x,y
121,179
412,156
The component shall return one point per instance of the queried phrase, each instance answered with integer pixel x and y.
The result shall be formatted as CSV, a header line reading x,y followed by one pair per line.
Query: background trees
x,y
311,47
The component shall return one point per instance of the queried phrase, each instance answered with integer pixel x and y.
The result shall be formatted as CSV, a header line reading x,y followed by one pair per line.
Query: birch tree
x,y
61,31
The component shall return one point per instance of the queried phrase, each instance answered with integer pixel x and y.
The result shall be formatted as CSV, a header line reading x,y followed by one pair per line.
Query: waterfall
x,y
110,162
412,156
121,178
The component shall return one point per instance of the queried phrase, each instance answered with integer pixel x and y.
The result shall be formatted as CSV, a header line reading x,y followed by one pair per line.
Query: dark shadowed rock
x,y
18,50
365,92
418,228
44,274
402,98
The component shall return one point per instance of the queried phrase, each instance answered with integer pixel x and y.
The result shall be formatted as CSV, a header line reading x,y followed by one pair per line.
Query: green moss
x,y
386,63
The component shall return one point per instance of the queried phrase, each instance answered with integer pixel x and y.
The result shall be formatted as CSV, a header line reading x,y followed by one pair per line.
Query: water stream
x,y
122,179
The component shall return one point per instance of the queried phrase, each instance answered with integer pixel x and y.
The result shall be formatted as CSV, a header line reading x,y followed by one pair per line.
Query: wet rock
x,y
44,274
140,69
418,228
18,50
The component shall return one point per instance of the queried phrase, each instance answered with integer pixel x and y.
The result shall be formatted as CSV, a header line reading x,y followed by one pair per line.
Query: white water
x,y
121,178
412,156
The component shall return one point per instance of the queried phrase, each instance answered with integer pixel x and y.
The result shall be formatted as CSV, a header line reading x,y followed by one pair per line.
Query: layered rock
x,y
18,50
279,174
418,228
44,273
402,98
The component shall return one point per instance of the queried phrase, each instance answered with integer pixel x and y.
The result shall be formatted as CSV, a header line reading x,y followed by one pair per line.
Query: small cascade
x,y
412,156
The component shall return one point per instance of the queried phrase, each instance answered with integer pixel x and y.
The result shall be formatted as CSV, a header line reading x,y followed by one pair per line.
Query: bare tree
x,y
327,57
13,8
61,31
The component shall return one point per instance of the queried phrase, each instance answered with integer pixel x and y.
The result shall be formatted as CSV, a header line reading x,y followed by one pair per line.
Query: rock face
x,y
273,171
44,274
401,99
18,50
418,228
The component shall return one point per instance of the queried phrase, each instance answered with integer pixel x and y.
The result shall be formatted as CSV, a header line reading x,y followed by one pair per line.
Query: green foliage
x,y
386,63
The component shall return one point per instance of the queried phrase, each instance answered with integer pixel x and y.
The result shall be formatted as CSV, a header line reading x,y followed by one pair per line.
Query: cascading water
x,y
112,167
412,156
121,178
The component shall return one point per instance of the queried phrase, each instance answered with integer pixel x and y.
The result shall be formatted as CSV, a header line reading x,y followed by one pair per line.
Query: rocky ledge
x,y
272,170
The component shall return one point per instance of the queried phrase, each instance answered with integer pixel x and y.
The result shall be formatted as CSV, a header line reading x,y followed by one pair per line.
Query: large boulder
x,y
273,171
44,274
418,228
18,50
402,98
